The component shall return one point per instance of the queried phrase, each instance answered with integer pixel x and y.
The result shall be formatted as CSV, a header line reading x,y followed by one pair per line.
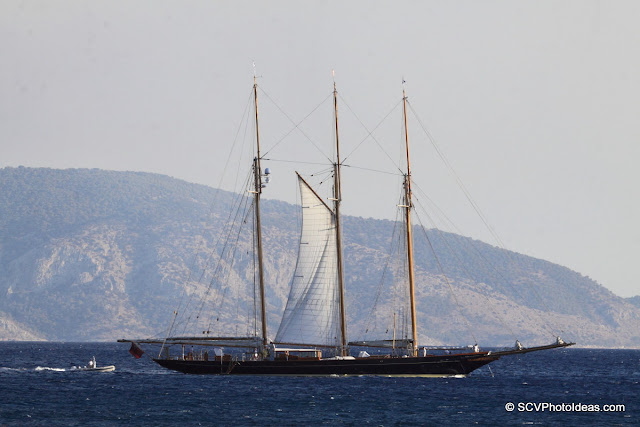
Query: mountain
x,y
634,300
90,255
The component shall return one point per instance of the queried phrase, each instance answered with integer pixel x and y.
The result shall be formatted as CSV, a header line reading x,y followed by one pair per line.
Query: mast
x,y
257,173
337,197
407,206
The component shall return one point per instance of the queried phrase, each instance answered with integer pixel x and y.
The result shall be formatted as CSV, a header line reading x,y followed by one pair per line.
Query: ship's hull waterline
x,y
428,366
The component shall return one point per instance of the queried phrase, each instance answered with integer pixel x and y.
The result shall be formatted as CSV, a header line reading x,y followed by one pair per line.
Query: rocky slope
x,y
100,255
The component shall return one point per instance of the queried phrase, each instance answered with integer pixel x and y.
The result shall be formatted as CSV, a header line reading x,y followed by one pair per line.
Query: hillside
x,y
101,255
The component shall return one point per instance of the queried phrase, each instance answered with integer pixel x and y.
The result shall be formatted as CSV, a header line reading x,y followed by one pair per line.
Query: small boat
x,y
92,366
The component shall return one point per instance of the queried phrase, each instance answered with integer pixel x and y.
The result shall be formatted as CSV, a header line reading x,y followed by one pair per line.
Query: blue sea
x,y
558,387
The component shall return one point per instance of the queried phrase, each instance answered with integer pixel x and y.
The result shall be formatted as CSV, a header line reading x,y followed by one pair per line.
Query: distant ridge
x,y
98,255
634,300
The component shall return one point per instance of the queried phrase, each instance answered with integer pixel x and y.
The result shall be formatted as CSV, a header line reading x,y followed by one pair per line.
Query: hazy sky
x,y
534,103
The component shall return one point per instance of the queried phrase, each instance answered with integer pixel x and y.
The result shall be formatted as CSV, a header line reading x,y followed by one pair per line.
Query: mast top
x,y
404,92
406,134
255,75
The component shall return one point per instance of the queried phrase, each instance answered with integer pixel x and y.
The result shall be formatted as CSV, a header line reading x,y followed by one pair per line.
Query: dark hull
x,y
437,366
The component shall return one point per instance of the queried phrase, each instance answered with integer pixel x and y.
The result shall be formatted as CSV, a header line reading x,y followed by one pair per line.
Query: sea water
x,y
559,387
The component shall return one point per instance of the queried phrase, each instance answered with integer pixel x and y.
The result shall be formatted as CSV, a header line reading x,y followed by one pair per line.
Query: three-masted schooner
x,y
314,317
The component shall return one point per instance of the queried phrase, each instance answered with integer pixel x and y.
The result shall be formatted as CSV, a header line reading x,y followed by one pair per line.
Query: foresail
x,y
312,312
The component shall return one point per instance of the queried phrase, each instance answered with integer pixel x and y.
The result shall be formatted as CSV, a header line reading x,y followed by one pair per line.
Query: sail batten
x,y
312,310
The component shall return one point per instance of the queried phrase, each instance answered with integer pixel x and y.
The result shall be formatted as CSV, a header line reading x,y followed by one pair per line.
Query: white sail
x,y
311,316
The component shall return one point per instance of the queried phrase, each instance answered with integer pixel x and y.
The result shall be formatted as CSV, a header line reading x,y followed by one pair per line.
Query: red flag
x,y
136,351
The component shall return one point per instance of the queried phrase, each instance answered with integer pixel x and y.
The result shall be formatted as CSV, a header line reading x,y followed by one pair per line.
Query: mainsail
x,y
311,316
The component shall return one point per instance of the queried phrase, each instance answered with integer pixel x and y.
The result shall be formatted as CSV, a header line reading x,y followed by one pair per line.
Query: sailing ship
x,y
312,336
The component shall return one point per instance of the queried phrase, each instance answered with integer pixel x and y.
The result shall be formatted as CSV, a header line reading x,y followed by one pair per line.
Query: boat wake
x,y
50,369
37,369
3,369
46,368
